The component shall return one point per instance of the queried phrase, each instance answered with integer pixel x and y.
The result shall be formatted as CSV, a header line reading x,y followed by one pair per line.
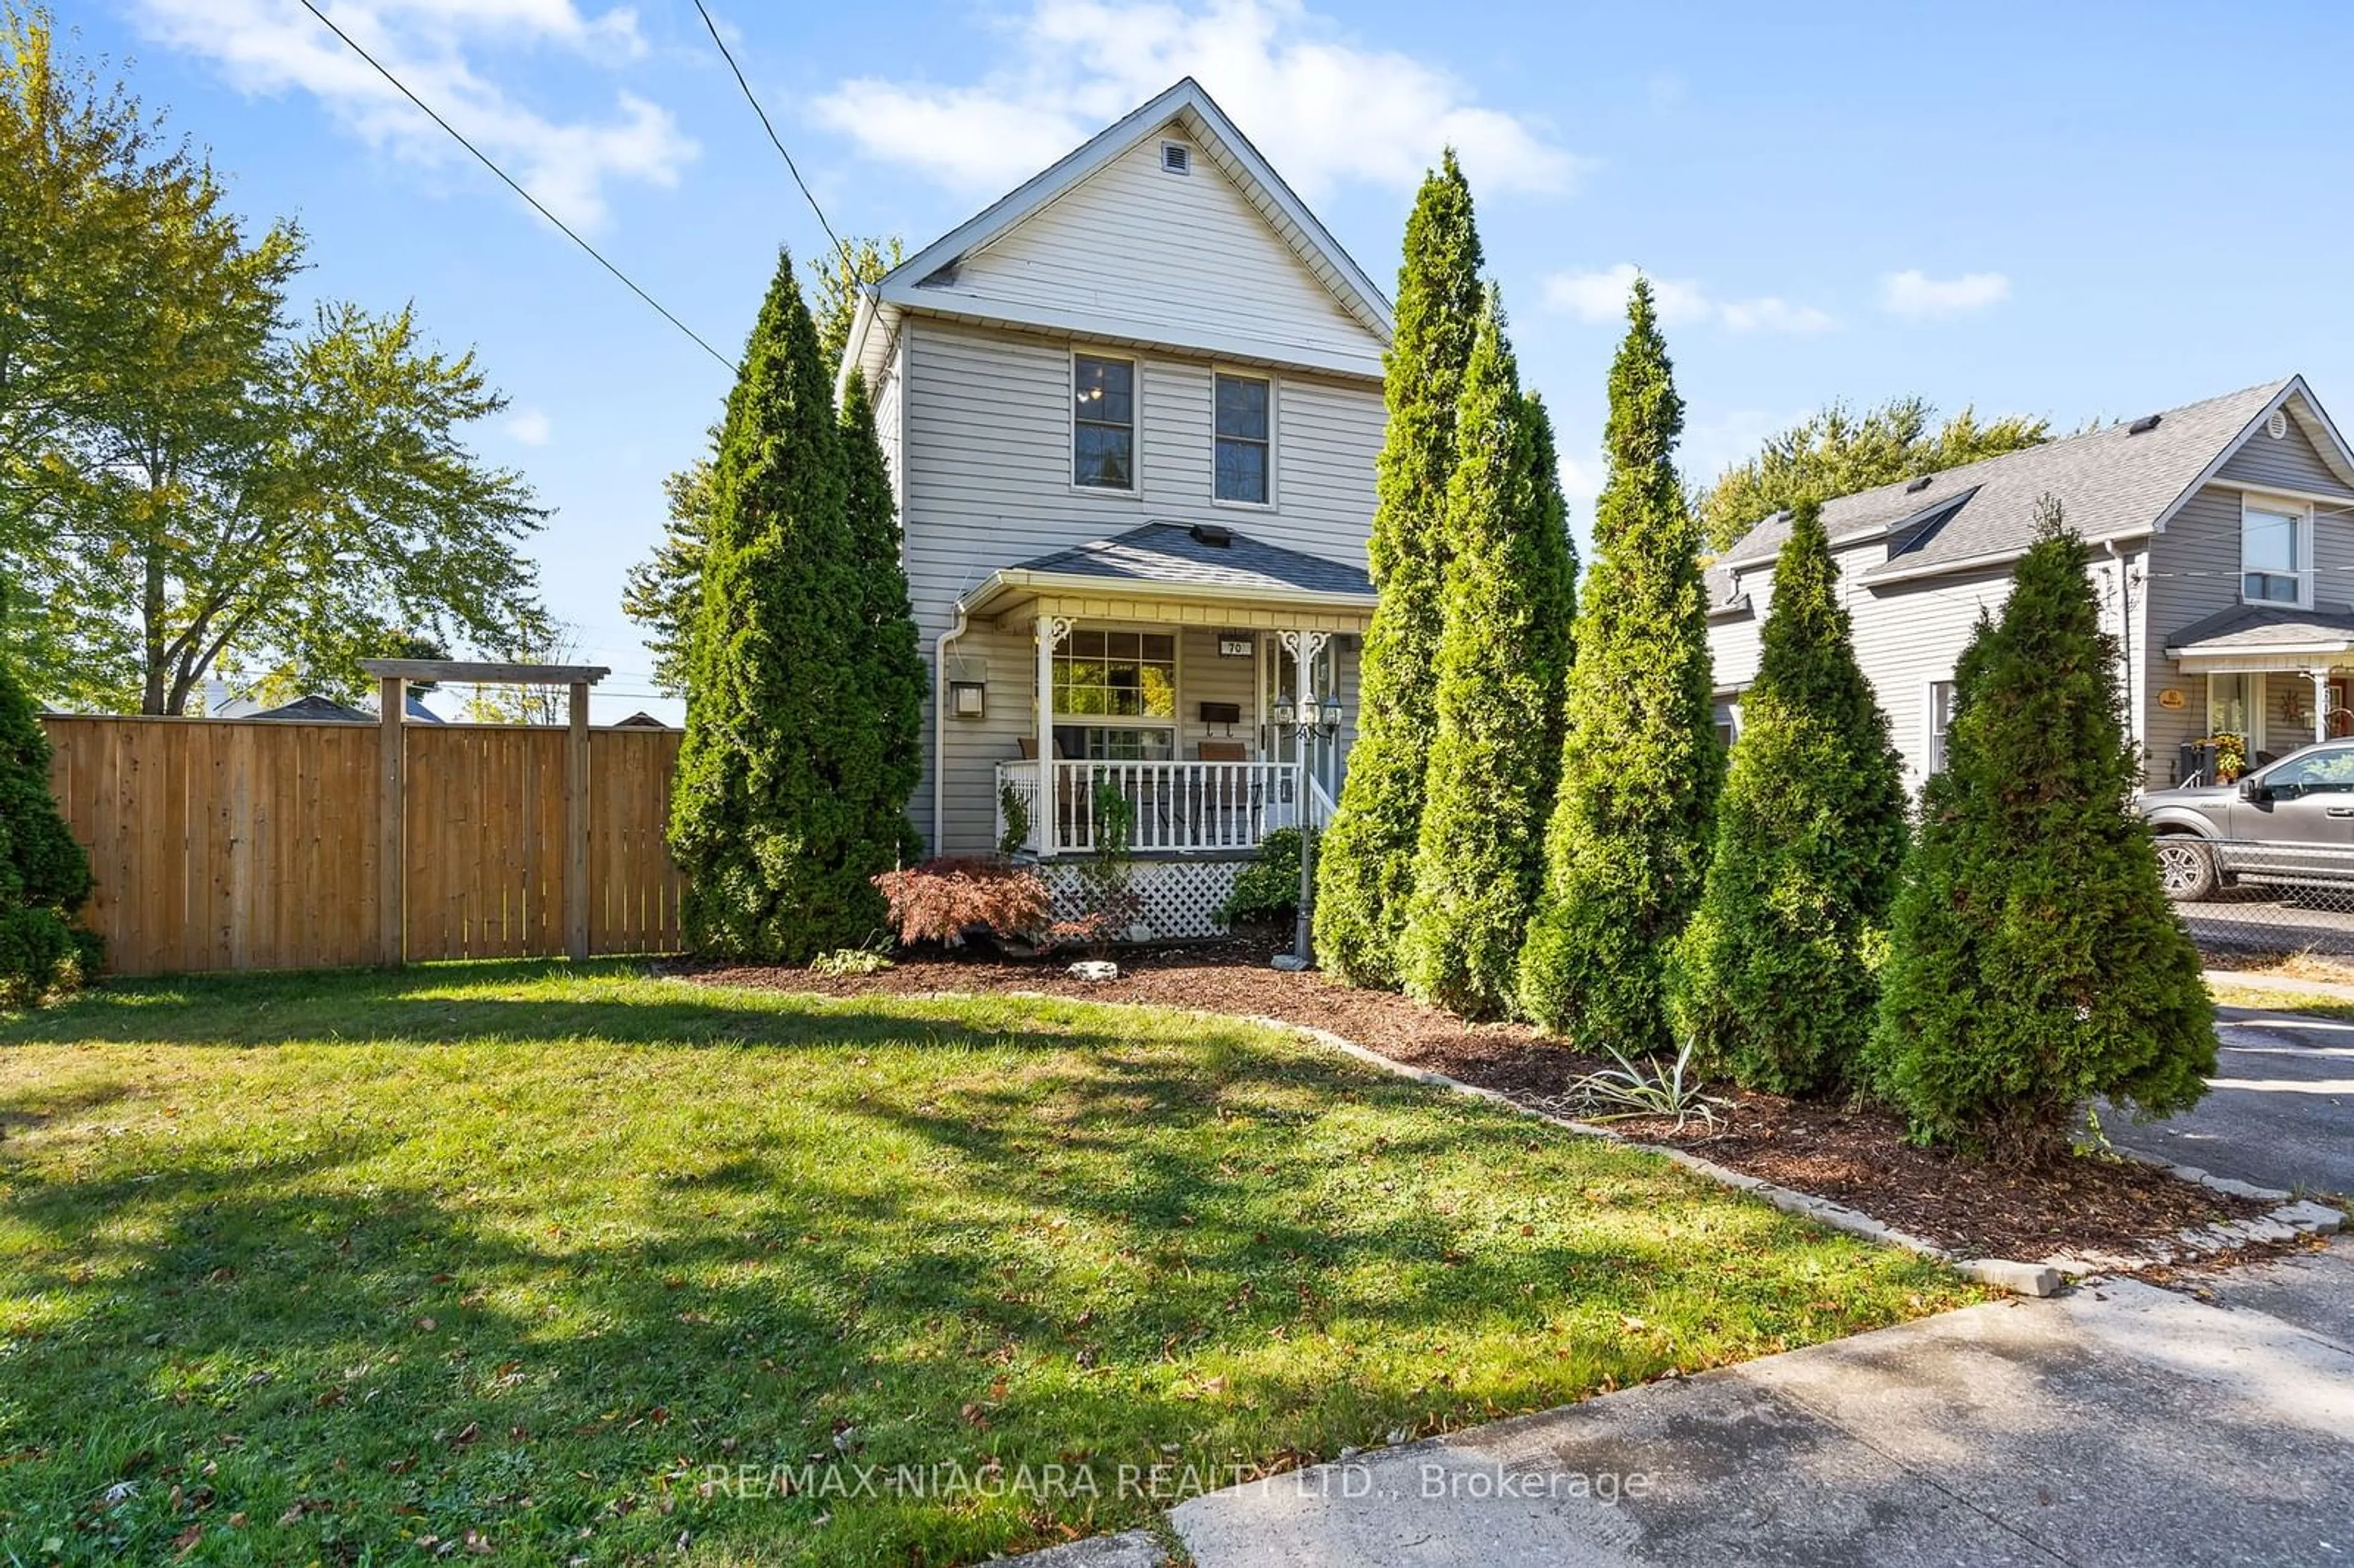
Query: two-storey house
x,y
2222,540
1132,412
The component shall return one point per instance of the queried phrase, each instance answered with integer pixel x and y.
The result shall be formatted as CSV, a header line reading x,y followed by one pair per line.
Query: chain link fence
x,y
2245,899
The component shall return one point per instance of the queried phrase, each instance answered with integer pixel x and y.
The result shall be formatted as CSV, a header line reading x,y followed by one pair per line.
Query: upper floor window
x,y
1103,422
2275,551
1243,445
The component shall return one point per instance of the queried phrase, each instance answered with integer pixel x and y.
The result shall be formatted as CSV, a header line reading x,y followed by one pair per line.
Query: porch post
x,y
2320,703
1049,631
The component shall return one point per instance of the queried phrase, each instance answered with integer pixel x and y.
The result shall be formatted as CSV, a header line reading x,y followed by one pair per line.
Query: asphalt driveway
x,y
2281,1110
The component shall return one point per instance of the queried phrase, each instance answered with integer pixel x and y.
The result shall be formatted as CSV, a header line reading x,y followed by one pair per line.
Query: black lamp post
x,y
1308,719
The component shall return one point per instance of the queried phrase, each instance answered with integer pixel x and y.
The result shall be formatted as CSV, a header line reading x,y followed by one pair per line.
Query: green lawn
x,y
321,1267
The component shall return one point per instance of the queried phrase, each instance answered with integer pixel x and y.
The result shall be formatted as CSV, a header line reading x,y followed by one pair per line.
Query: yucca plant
x,y
1630,1091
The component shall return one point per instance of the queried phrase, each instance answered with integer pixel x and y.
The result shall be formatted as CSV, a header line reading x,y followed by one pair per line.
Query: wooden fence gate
x,y
258,844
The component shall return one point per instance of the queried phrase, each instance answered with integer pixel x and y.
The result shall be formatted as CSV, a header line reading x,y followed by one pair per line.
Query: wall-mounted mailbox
x,y
1222,712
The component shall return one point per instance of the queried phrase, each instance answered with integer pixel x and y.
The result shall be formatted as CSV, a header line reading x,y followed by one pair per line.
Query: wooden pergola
x,y
395,676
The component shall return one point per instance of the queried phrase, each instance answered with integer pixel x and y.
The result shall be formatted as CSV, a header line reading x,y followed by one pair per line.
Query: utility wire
x,y
793,168
627,282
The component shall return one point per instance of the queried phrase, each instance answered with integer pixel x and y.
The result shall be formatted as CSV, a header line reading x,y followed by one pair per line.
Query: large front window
x,y
2235,706
1120,688
2273,551
1941,723
1103,422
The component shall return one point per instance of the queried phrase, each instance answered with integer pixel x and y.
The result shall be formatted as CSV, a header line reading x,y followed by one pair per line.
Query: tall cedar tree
x,y
44,875
1501,660
888,646
1640,765
1365,864
771,817
2035,964
1774,980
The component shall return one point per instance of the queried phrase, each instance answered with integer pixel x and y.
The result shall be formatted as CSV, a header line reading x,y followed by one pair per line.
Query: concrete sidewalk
x,y
2122,1424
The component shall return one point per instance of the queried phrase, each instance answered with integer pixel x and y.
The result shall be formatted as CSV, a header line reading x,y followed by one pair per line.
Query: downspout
x,y
940,723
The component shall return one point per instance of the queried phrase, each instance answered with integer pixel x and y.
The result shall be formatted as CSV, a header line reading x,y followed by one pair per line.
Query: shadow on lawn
x,y
1077,1243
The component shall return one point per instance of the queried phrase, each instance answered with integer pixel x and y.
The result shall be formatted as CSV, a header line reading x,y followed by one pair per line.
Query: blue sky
x,y
2075,209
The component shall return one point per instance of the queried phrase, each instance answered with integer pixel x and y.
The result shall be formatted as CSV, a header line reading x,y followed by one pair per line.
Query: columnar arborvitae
x,y
891,652
44,875
770,816
1640,765
2034,964
1365,867
1774,980
1502,659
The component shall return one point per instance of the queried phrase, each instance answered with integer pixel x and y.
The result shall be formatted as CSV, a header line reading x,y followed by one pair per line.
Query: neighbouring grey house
x,y
1132,412
317,709
2222,545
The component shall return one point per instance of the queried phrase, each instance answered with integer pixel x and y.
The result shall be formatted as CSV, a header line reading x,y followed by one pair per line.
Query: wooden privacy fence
x,y
257,844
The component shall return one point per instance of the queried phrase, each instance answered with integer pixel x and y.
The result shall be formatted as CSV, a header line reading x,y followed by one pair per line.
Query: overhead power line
x,y
774,140
627,281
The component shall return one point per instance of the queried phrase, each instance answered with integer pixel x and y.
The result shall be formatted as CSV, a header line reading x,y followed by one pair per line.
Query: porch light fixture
x,y
1309,719
967,699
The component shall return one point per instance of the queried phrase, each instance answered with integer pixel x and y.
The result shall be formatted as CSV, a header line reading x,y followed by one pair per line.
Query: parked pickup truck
x,y
2287,823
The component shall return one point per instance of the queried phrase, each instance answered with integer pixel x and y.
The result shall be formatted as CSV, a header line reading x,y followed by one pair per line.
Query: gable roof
x,y
2116,482
1191,109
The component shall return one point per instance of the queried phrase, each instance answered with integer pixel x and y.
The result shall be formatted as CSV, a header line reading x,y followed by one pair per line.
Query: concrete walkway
x,y
2121,1424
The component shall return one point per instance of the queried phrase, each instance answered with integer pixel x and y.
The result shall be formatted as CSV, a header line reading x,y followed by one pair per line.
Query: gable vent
x,y
1918,485
1176,158
2277,425
2142,426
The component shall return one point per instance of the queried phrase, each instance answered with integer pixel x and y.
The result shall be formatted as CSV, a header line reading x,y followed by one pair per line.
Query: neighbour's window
x,y
1941,722
1243,446
2232,706
1728,724
1103,423
2272,549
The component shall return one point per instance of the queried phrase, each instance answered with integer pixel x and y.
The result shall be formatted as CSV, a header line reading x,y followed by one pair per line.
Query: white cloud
x,y
1601,296
269,46
532,427
1323,109
1915,296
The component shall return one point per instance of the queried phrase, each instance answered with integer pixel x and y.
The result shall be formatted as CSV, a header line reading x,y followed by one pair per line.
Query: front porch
x,y
2267,681
1156,666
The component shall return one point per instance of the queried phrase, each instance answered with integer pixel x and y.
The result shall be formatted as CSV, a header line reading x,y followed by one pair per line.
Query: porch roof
x,y
1175,560
2265,637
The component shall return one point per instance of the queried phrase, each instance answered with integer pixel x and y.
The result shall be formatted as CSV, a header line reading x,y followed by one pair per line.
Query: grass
x,y
371,1267
2255,994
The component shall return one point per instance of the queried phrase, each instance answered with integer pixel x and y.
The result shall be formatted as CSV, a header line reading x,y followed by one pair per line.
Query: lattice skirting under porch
x,y
1179,895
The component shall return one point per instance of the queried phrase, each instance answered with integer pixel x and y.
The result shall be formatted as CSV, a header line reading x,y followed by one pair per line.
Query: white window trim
x,y
2280,507
1135,492
1174,722
1273,435
1932,764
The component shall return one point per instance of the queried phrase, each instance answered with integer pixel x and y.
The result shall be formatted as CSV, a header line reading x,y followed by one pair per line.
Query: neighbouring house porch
x,y
1159,664
2265,680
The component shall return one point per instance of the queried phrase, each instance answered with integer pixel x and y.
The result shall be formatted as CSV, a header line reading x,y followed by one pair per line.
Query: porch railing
x,y
1175,807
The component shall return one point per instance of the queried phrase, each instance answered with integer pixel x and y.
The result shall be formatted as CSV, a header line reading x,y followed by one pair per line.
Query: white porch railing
x,y
1174,807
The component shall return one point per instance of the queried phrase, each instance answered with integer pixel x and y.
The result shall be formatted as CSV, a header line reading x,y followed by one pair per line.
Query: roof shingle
x,y
1171,554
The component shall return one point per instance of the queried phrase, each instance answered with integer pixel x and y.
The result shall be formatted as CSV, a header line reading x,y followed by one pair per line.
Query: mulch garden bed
x,y
1854,1155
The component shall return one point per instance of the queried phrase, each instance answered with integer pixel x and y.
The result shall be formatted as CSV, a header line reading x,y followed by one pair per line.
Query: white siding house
x,y
2221,539
1132,412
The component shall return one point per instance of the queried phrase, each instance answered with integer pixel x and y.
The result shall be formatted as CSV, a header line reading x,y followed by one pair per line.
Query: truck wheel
x,y
2187,867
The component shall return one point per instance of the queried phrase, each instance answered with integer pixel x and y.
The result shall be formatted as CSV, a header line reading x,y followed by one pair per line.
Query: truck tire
x,y
2187,867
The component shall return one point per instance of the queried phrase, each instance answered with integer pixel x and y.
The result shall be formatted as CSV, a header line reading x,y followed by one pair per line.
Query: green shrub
x,y
2034,963
44,874
1774,979
1267,890
1365,876
1501,657
1640,765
